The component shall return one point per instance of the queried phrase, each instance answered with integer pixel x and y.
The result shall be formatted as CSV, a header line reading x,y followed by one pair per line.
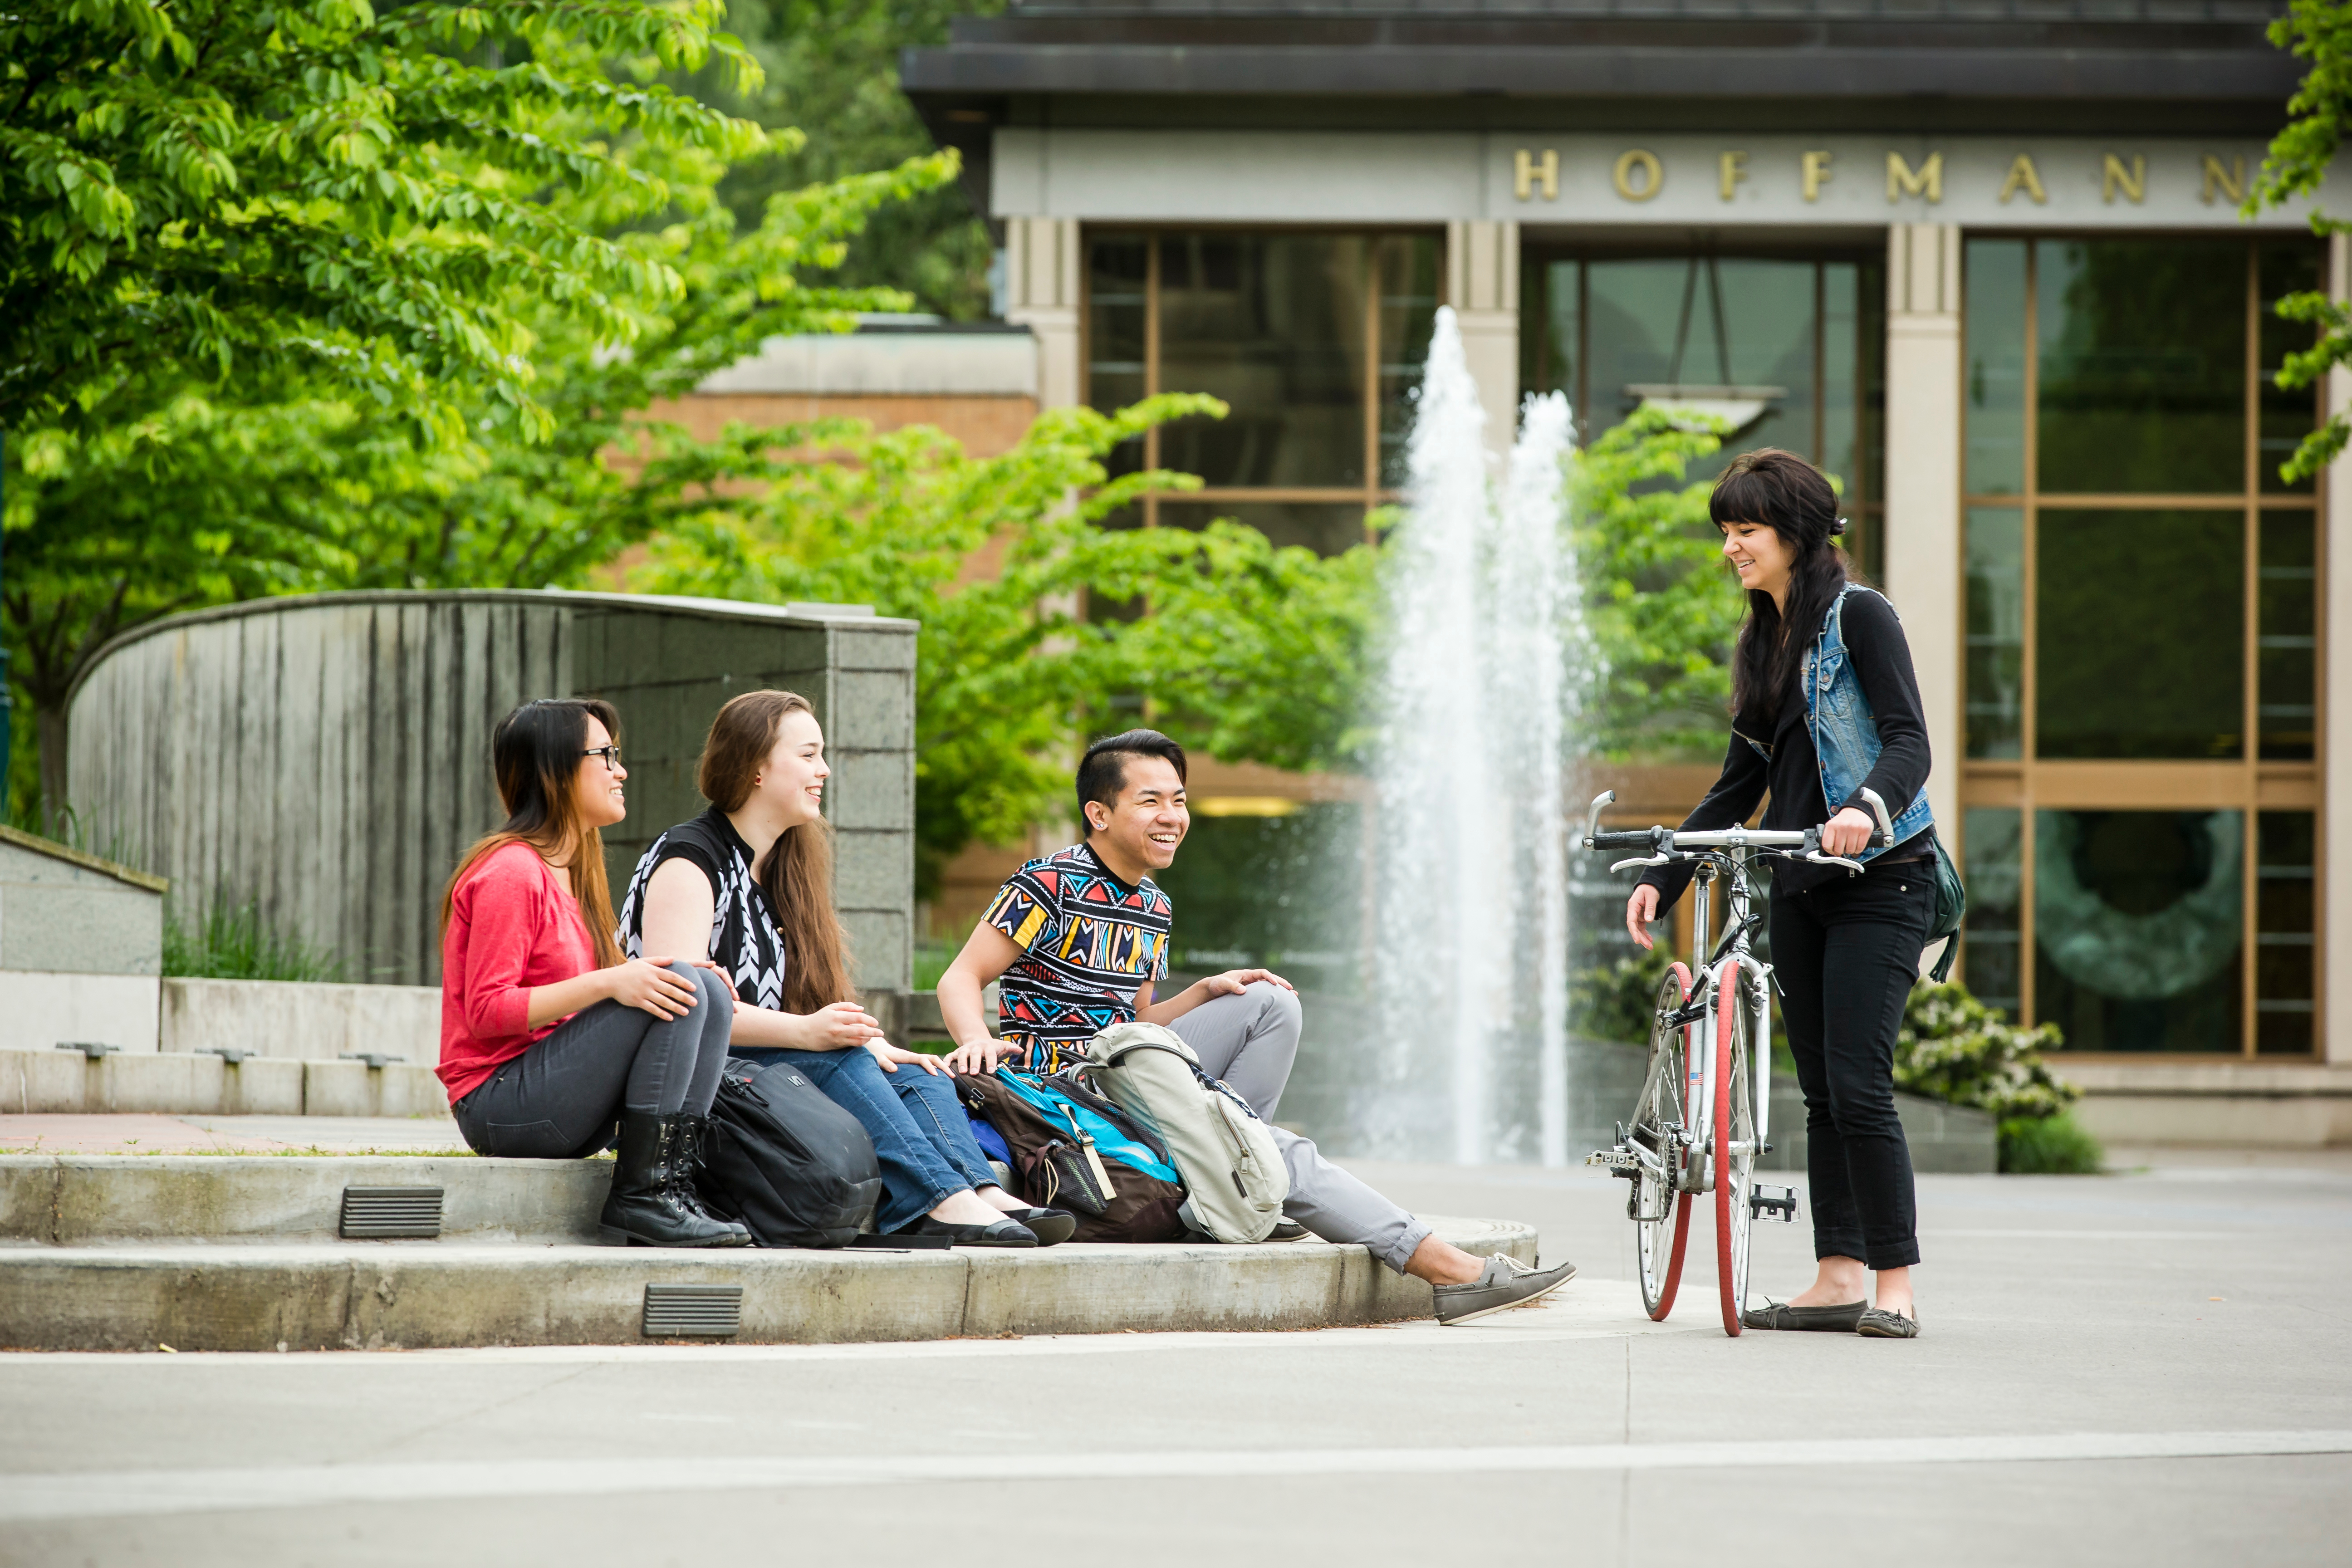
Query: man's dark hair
x,y
1102,773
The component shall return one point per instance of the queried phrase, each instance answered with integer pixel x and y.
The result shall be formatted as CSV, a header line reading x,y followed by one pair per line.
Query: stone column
x,y
2335,718
1923,571
1482,284
1040,272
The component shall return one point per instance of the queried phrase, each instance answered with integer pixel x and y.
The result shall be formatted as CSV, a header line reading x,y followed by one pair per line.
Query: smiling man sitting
x,y
1080,939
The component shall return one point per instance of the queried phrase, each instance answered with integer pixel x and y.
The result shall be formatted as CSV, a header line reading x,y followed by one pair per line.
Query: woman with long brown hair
x,y
750,884
1827,721
549,1034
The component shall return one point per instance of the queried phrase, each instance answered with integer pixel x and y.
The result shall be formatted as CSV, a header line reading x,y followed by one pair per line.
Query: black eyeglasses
x,y
612,755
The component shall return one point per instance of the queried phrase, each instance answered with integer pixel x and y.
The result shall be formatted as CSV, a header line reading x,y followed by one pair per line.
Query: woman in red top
x,y
548,1035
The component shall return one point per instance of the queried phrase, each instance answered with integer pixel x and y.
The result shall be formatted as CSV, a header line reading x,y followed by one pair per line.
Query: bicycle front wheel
x,y
1735,1145
1659,1207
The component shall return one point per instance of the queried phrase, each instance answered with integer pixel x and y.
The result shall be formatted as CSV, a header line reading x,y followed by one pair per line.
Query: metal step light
x,y
382,1214
693,1312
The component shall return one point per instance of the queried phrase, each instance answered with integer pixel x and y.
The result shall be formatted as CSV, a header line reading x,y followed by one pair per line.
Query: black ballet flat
x,y
1051,1227
1841,1318
1006,1232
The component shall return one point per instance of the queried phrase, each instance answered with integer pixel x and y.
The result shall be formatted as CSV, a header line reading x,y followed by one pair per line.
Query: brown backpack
x,y
1056,1169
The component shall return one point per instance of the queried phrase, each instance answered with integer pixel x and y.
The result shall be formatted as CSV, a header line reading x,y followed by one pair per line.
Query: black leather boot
x,y
643,1209
694,1141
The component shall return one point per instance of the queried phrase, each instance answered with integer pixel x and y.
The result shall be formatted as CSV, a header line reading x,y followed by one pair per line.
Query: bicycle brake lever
x,y
1643,860
1821,860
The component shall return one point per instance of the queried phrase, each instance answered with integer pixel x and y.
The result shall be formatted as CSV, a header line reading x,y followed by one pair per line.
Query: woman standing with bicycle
x,y
1825,706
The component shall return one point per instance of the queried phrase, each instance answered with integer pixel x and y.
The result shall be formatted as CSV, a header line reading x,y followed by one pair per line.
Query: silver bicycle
x,y
1702,1115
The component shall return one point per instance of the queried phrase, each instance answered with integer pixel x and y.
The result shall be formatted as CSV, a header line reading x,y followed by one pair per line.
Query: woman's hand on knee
x,y
1640,910
647,984
837,1028
892,1056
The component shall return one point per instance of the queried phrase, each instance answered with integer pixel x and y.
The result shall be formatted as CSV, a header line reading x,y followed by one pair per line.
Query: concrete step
x,y
187,1083
393,1295
72,1200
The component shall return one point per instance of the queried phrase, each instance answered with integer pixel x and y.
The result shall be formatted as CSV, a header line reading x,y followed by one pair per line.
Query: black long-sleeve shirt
x,y
1881,660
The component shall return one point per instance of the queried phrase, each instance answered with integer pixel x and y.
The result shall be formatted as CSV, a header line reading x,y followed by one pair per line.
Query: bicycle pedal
x,y
1617,1161
1773,1203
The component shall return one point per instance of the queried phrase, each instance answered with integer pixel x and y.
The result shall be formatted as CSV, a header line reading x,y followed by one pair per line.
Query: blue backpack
x,y
1091,1117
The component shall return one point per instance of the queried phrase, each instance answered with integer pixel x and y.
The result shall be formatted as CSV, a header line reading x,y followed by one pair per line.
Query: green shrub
x,y
1618,1000
1954,1048
232,942
2048,1146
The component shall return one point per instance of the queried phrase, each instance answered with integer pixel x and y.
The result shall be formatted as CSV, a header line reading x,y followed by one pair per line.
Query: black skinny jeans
x,y
1845,955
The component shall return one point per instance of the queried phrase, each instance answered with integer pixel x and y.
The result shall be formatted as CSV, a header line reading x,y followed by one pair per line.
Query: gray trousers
x,y
559,1099
1250,1041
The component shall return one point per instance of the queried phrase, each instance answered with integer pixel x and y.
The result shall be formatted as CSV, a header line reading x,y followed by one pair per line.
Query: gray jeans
x,y
559,1099
1250,1041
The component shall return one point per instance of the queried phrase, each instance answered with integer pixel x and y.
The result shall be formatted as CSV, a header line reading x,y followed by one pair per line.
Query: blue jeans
x,y
920,1135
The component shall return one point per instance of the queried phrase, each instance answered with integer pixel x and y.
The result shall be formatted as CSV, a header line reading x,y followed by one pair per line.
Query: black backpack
x,y
794,1167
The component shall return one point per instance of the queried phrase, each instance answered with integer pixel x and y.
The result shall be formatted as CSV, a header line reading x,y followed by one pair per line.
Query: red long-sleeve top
x,y
512,926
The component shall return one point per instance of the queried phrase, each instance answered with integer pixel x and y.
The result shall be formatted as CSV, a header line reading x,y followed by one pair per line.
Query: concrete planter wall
x,y
327,756
316,1022
81,946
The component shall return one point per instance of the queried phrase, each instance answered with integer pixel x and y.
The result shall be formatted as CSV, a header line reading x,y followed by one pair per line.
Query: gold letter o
x,y
1653,171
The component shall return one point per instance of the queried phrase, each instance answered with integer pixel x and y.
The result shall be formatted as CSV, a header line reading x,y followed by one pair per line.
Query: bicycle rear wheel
x,y
1735,1124
1660,1209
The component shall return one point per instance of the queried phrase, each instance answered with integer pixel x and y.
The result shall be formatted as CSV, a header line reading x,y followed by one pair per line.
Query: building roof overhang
x,y
2178,66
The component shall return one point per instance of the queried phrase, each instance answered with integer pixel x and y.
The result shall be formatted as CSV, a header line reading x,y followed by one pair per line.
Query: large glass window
x,y
1312,339
1792,342
2142,641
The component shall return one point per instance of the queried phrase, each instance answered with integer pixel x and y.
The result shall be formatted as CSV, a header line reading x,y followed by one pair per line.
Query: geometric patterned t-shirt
x,y
1088,941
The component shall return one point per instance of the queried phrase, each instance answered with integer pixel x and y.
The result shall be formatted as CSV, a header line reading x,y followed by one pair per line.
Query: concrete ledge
x,y
70,1200
423,1295
168,1083
312,1019
2263,1104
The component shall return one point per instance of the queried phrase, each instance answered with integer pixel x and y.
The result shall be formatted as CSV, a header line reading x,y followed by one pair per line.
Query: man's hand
x,y
1848,833
980,1055
1233,981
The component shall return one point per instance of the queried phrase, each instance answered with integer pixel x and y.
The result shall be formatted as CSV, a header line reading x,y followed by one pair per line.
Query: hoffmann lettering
x,y
1639,174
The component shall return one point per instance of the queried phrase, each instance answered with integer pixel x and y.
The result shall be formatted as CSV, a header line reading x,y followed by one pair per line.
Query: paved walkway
x,y
2141,1370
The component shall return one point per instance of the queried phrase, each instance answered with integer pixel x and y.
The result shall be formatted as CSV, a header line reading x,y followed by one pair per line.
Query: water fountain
x,y
1477,704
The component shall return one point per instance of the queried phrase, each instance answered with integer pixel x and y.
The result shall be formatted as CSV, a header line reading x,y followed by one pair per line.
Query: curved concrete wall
x,y
329,755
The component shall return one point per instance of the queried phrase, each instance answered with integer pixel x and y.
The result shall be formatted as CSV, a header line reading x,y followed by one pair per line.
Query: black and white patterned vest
x,y
743,937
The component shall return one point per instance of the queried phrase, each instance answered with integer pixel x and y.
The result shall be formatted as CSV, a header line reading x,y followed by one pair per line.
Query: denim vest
x,y
1844,731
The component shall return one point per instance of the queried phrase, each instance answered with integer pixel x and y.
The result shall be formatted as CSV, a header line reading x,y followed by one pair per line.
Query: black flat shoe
x,y
1842,1319
1006,1232
1877,1324
1051,1227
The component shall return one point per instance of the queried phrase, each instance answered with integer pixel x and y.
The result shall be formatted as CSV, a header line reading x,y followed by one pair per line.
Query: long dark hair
x,y
797,873
537,753
1788,495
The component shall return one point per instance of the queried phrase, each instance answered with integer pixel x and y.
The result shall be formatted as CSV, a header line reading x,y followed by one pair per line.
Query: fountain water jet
x,y
1477,706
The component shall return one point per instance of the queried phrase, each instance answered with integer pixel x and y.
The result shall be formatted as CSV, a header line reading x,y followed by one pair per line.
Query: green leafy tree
x,y
427,274
1012,672
832,70
2320,32
1662,611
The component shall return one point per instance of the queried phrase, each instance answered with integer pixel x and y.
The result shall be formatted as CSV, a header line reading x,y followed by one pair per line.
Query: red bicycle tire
x,y
1727,1019
1683,1200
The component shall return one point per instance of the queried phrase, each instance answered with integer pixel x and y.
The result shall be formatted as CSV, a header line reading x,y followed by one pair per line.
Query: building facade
x,y
1985,264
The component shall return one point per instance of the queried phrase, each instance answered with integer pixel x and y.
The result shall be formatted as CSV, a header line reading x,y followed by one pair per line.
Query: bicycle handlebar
x,y
1804,845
